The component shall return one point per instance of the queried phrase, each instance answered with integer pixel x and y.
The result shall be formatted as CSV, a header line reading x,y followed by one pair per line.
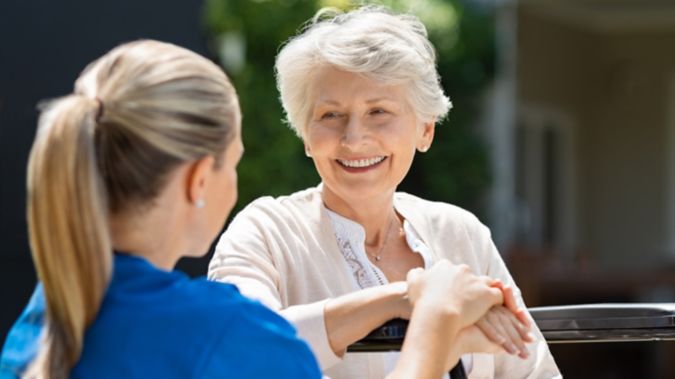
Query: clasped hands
x,y
490,319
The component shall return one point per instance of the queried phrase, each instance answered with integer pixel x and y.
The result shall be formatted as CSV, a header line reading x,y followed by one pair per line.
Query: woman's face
x,y
362,135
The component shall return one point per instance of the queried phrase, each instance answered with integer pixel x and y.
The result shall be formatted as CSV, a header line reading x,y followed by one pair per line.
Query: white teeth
x,y
361,162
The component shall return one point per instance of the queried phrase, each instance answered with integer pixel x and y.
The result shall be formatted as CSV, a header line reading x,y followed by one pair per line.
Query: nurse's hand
x,y
472,340
453,289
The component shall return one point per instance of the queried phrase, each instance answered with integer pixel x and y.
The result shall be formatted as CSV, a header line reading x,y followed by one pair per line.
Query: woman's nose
x,y
354,132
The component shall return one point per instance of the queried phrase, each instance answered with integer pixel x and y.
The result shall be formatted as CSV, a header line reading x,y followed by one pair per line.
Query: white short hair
x,y
390,48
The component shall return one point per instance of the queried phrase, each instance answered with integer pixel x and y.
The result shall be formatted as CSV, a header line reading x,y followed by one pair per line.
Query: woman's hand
x,y
453,289
507,325
503,328
510,302
446,299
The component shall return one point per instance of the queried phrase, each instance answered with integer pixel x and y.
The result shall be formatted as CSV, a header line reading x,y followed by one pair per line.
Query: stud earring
x,y
200,203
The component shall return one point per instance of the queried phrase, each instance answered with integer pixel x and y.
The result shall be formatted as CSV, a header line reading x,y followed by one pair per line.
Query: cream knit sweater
x,y
283,252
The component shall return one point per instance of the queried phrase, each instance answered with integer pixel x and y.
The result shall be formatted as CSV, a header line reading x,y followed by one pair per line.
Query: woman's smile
x,y
361,164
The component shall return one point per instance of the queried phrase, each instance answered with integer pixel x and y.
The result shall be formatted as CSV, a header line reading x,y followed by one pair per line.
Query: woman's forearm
x,y
351,317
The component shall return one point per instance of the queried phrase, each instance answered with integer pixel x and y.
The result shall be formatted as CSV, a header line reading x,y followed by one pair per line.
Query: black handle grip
x,y
389,337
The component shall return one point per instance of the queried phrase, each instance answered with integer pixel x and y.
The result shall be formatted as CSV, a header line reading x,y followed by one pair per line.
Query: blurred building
x,y
582,131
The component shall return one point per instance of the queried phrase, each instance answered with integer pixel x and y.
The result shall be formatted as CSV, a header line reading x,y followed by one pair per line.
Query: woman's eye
x,y
330,115
377,111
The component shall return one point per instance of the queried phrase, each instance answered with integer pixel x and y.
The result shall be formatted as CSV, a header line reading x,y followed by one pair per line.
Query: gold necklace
x,y
378,255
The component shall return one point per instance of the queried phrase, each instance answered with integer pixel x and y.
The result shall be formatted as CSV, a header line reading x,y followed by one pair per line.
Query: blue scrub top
x,y
159,324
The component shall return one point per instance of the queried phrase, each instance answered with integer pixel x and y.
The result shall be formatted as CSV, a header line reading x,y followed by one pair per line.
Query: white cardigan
x,y
283,252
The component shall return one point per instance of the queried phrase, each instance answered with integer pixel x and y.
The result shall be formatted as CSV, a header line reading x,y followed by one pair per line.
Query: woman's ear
x,y
308,153
198,178
426,135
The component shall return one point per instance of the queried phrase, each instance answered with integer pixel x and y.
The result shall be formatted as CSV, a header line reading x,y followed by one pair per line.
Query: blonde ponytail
x,y
137,113
67,219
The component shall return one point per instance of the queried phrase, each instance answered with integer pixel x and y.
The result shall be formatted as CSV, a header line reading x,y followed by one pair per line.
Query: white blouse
x,y
283,252
351,238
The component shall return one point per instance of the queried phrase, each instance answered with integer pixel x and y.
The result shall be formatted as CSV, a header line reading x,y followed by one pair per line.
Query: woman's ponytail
x,y
68,223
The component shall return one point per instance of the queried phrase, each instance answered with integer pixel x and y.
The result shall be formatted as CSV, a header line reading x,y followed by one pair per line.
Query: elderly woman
x,y
362,92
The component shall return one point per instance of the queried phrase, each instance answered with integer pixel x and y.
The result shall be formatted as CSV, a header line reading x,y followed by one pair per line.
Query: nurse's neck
x,y
152,233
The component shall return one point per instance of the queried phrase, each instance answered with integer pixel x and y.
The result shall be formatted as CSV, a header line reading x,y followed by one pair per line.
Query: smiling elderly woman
x,y
362,91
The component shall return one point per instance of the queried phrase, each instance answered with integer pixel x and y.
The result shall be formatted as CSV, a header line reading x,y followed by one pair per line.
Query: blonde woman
x,y
362,91
136,169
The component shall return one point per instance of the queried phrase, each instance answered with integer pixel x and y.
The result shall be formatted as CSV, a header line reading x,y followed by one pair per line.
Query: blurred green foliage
x,y
246,35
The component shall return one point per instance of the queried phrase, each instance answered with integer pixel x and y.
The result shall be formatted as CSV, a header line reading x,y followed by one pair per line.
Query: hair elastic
x,y
99,112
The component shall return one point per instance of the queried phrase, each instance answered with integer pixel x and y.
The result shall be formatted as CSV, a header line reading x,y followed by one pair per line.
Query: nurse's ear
x,y
197,179
425,135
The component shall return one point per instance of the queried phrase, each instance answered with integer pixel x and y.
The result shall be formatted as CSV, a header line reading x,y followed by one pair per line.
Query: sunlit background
x,y
561,139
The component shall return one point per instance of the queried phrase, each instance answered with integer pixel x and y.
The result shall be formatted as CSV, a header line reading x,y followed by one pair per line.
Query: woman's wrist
x,y
398,304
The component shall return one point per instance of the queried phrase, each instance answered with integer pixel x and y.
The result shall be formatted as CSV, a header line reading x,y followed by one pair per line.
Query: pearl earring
x,y
200,203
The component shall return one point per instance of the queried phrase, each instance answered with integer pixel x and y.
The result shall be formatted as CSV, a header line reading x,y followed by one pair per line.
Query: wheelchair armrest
x,y
615,322
561,324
